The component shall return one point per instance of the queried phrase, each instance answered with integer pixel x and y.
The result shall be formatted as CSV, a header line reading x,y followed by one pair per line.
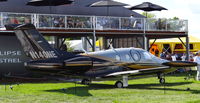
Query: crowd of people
x,y
59,21
17,20
176,56
131,23
195,57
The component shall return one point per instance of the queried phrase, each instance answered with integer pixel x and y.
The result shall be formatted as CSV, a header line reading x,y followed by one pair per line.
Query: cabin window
x,y
166,48
127,57
117,57
135,55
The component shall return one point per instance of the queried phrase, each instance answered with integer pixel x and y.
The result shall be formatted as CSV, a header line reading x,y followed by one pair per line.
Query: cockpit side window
x,y
135,55
128,58
117,57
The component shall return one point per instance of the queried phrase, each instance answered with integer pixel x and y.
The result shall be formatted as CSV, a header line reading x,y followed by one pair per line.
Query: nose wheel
x,y
123,83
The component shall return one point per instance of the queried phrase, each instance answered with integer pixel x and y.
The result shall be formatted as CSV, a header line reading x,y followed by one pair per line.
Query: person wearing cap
x,y
197,60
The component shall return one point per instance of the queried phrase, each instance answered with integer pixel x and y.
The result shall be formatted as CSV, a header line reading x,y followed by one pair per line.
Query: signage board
x,y
12,57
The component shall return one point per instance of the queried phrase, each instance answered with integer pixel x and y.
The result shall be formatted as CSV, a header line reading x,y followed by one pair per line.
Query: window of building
x,y
191,46
178,46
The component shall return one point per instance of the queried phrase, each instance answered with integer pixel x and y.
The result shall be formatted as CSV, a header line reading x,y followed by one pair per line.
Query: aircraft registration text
x,y
42,54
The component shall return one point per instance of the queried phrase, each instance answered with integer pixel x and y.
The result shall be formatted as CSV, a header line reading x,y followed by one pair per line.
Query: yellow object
x,y
99,43
175,45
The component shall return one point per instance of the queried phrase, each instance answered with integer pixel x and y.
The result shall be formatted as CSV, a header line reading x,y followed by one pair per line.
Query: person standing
x,y
174,56
197,60
163,55
183,57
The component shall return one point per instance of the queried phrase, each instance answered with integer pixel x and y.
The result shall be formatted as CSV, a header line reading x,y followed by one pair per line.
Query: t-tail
x,y
33,43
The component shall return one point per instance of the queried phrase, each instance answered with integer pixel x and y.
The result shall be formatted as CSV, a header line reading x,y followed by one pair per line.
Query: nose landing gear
x,y
123,83
161,78
86,81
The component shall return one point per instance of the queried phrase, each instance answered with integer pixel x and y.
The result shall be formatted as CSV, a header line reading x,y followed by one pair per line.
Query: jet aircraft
x,y
119,64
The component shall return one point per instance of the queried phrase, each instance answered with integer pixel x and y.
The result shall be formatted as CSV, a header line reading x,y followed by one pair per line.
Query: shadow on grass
x,y
165,86
84,90
78,91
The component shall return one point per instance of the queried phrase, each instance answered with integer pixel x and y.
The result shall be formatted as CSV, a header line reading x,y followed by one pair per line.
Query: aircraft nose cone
x,y
180,64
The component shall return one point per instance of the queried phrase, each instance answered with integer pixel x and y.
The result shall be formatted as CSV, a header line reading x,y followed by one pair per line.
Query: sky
x,y
183,9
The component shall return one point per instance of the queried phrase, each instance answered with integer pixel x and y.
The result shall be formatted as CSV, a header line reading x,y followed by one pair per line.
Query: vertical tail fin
x,y
33,43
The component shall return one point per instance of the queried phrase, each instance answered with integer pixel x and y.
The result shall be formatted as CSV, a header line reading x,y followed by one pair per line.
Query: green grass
x,y
146,90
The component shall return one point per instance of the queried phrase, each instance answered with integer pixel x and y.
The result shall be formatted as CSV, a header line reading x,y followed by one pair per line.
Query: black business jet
x,y
113,64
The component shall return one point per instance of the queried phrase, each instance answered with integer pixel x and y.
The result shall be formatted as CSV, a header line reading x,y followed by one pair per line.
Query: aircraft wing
x,y
149,68
139,71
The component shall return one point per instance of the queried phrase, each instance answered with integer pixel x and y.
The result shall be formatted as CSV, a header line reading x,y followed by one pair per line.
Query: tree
x,y
175,18
149,15
69,48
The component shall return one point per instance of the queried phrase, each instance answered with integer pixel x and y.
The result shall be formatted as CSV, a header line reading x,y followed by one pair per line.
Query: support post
x,y
187,48
84,43
144,42
94,34
57,42
149,46
125,81
144,36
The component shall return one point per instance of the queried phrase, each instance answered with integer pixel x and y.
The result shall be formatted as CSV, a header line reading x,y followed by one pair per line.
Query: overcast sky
x,y
183,9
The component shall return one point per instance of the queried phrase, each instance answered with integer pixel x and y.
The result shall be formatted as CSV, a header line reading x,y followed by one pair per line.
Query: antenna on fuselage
x,y
85,51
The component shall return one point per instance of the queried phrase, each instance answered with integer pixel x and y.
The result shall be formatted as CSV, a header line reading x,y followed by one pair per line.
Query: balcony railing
x,y
54,21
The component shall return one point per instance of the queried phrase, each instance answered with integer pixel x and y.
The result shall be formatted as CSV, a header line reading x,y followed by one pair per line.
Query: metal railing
x,y
54,21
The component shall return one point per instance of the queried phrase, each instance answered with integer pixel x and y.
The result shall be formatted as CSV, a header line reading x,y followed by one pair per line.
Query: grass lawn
x,y
146,90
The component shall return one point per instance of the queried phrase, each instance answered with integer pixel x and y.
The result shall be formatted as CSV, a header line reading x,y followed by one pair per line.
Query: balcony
x,y
99,23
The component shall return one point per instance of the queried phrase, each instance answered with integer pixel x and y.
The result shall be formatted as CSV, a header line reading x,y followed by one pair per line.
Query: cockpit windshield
x,y
147,55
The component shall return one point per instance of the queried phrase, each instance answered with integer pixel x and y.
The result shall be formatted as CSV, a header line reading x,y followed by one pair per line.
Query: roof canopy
x,y
77,8
192,39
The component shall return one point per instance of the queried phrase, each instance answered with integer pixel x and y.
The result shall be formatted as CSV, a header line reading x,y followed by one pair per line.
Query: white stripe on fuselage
x,y
136,71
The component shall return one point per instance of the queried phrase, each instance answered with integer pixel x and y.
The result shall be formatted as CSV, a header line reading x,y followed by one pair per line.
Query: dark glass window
x,y
191,46
178,46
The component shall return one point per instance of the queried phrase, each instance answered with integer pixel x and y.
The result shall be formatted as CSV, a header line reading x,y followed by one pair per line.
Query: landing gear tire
x,y
119,84
162,80
85,82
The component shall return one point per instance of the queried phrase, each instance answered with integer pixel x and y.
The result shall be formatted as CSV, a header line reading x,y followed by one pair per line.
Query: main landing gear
x,y
123,83
161,78
86,81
